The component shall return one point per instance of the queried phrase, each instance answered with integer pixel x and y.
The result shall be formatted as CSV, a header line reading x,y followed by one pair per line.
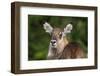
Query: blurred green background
x,y
38,39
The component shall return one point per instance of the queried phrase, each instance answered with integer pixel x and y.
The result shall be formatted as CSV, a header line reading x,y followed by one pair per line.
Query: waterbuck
x,y
60,47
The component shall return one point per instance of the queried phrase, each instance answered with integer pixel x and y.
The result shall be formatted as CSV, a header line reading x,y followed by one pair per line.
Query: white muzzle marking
x,y
53,43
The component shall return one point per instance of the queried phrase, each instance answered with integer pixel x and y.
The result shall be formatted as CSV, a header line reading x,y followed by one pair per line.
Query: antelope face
x,y
56,37
57,34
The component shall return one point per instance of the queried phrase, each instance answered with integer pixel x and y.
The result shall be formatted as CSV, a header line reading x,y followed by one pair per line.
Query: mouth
x,y
54,45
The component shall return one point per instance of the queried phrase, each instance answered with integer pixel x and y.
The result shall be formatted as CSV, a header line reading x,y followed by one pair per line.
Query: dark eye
x,y
60,35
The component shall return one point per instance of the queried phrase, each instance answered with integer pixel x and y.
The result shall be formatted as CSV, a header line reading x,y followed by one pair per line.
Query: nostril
x,y
53,41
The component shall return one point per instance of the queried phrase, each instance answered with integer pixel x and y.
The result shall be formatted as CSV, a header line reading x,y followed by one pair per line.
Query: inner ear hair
x,y
48,28
68,28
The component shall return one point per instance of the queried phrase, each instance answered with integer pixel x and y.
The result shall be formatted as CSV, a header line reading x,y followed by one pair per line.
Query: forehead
x,y
56,30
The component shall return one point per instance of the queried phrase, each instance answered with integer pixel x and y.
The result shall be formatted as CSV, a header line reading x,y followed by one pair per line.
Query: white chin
x,y
54,46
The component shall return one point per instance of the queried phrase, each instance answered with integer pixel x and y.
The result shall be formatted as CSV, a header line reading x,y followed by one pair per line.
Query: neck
x,y
62,43
56,52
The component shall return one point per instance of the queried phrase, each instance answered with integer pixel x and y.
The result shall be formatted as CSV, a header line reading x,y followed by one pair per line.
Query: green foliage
x,y
38,39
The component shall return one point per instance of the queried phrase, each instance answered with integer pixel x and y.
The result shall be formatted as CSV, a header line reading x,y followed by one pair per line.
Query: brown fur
x,y
71,51
64,49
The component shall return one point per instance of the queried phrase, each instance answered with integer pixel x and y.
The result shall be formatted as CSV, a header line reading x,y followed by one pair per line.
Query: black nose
x,y
53,41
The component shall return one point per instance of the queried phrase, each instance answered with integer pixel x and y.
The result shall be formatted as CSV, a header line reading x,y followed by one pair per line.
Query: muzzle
x,y
53,43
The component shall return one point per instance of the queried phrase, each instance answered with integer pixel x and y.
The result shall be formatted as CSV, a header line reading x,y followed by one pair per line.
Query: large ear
x,y
47,27
68,28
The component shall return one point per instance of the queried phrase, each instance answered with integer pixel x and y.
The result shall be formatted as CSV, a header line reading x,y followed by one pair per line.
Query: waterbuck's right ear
x,y
47,27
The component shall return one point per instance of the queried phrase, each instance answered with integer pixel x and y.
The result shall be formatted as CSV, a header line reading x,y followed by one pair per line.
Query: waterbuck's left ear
x,y
48,28
68,28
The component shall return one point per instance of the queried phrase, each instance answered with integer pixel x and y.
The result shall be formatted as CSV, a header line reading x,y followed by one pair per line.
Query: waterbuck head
x,y
58,35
